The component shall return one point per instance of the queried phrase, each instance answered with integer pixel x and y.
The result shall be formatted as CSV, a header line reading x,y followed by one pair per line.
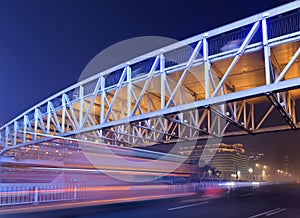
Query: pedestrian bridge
x,y
241,78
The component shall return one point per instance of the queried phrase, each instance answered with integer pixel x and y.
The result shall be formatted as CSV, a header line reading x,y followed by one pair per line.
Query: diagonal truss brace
x,y
287,67
150,75
185,72
230,120
286,116
116,94
237,56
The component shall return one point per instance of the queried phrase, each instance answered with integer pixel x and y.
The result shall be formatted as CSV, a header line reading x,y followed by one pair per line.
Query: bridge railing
x,y
22,194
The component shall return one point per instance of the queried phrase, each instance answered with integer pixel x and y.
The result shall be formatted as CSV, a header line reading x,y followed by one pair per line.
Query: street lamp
x,y
238,173
250,171
209,173
263,173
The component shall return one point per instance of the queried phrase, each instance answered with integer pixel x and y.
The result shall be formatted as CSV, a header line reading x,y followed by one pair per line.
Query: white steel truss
x,y
207,92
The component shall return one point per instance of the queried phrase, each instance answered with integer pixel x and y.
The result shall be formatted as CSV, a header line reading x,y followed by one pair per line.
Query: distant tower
x,y
286,163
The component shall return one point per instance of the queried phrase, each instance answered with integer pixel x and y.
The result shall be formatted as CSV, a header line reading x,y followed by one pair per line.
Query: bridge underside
x,y
243,78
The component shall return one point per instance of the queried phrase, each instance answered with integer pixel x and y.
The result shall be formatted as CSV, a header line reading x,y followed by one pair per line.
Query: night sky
x,y
45,45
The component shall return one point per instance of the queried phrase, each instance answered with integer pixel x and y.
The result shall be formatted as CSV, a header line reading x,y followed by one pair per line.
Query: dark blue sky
x,y
45,44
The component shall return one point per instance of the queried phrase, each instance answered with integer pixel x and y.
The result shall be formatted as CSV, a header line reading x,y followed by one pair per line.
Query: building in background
x,y
256,157
258,167
229,161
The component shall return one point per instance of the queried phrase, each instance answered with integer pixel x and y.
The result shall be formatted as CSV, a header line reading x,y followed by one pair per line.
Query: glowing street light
x,y
263,174
250,175
238,174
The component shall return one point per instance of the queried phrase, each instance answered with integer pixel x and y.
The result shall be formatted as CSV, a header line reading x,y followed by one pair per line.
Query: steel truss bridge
x,y
241,78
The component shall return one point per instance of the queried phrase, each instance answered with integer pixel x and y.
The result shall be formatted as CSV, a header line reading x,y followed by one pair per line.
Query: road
x,y
281,200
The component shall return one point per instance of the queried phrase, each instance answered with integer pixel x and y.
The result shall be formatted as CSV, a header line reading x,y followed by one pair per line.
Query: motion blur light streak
x,y
90,203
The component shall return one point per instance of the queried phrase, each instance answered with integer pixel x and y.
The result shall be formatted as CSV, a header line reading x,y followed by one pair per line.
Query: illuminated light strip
x,y
113,171
149,186
103,188
79,189
63,190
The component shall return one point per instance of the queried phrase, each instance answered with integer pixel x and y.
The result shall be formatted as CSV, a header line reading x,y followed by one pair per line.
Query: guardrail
x,y
17,194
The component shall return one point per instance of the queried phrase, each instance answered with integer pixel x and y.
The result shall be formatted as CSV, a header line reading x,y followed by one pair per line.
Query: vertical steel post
x,y
129,88
75,192
48,117
36,195
24,128
102,99
148,102
36,117
266,49
294,118
63,114
6,135
180,96
234,110
289,103
252,116
219,124
15,132
81,94
163,78
206,67
245,114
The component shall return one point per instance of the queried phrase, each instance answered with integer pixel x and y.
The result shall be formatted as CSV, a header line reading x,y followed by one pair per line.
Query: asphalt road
x,y
268,201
